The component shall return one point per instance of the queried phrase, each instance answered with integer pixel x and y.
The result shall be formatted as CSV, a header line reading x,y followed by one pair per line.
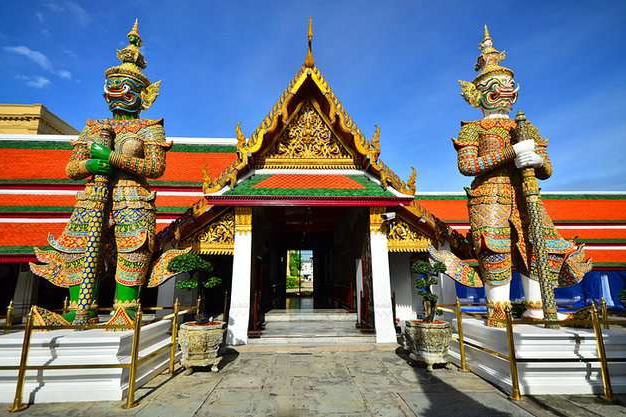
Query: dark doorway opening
x,y
332,235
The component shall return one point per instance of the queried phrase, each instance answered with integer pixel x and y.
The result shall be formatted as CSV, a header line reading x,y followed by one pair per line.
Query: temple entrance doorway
x,y
285,241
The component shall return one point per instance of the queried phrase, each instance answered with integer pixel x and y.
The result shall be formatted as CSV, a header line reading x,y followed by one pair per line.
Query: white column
x,y
25,295
408,303
359,288
381,284
446,290
239,312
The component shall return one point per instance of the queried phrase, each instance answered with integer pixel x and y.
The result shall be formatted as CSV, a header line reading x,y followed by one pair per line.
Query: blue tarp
x,y
595,284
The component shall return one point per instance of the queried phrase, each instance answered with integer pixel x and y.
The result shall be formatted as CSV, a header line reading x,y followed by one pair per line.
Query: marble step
x,y
310,315
312,332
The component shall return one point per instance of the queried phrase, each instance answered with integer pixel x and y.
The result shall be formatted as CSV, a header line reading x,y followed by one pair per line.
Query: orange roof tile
x,y
306,181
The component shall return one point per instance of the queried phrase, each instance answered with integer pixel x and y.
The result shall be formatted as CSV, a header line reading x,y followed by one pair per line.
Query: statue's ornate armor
x,y
138,153
499,224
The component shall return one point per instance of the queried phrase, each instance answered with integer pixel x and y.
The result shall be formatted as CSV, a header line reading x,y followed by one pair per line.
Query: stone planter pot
x,y
427,342
200,344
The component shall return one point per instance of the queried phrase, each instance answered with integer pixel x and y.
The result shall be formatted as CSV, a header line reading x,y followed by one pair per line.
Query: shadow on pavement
x,y
440,398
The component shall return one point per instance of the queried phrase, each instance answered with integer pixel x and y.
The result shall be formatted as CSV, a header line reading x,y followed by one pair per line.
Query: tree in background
x,y
295,263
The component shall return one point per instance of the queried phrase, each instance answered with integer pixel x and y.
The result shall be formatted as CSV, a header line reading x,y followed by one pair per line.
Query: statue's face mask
x,y
123,94
497,93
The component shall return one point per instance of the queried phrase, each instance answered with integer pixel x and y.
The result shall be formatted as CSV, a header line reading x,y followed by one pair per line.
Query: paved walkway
x,y
356,381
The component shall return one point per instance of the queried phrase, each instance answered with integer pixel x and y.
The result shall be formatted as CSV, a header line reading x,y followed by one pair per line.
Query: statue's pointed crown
x,y
488,61
132,61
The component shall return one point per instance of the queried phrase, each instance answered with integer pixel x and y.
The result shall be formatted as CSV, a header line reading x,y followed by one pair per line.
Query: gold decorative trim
x,y
217,237
533,305
125,304
307,141
243,219
404,237
376,219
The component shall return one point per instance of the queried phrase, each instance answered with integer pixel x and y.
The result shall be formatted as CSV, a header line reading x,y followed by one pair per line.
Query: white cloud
x,y
70,53
35,56
39,17
53,7
80,15
35,82
66,75
38,58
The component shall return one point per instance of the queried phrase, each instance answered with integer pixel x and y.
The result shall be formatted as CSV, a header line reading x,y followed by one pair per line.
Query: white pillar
x,y
25,295
239,313
381,284
359,288
446,290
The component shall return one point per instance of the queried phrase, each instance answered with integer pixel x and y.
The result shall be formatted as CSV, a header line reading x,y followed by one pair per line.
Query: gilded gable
x,y
307,142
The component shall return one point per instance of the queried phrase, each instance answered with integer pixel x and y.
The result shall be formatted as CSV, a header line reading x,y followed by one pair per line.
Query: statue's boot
x,y
498,300
533,304
125,305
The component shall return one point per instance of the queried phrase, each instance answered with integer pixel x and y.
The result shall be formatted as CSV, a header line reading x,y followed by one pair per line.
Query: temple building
x,y
306,179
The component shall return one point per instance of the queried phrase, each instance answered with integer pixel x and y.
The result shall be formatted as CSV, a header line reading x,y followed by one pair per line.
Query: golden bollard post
x,y
604,367
21,375
515,392
66,305
605,315
198,304
459,324
174,336
134,355
8,322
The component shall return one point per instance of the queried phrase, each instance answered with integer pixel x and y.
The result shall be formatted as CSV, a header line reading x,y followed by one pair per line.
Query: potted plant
x,y
199,340
427,339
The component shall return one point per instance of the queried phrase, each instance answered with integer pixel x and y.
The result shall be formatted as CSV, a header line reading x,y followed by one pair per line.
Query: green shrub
x,y
292,282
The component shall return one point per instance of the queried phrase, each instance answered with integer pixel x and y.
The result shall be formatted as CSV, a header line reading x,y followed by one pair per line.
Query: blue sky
x,y
394,63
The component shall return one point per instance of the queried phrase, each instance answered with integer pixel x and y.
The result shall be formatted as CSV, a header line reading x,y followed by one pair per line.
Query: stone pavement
x,y
369,380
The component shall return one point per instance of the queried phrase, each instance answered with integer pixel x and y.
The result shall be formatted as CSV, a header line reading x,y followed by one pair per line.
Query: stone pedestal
x,y
557,358
428,342
200,344
65,347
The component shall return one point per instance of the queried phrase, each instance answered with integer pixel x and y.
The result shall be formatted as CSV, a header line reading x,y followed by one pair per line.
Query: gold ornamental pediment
x,y
217,237
307,141
404,237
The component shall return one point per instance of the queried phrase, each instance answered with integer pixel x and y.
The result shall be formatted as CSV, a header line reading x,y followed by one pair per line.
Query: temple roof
x,y
308,128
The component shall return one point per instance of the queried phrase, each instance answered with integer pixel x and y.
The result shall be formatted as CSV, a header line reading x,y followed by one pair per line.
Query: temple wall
x,y
408,304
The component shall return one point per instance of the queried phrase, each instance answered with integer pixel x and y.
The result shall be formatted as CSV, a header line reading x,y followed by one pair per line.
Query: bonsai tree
x,y
427,276
199,270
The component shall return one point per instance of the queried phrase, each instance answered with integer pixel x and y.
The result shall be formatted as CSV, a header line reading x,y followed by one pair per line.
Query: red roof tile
x,y
306,181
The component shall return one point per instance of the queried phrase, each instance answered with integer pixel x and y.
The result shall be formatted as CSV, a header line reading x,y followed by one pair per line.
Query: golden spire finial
x,y
308,61
134,33
486,34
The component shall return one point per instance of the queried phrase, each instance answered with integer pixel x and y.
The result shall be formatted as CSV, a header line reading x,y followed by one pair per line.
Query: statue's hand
x,y
524,146
98,166
528,160
100,152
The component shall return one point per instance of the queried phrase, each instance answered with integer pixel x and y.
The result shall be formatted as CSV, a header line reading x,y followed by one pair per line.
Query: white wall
x,y
408,303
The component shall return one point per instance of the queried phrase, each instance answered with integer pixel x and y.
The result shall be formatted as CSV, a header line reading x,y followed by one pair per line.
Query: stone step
x,y
313,341
310,315
309,332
